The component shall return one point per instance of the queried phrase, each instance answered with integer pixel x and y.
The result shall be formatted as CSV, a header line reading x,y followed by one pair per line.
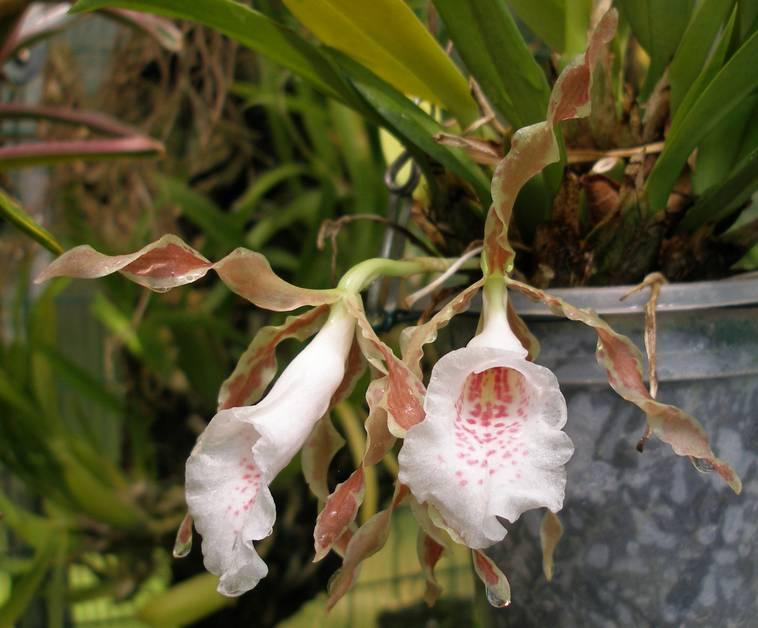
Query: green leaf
x,y
81,380
250,200
415,126
658,25
728,89
728,196
27,585
17,216
491,46
387,37
719,150
248,27
695,46
545,18
220,227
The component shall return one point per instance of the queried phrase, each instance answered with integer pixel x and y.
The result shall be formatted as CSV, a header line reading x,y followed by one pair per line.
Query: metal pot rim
x,y
741,290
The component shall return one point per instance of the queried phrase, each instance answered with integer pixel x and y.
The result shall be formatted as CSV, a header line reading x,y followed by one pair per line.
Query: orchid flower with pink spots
x,y
244,448
491,444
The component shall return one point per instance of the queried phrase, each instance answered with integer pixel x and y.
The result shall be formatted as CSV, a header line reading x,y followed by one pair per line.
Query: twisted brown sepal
x,y
170,262
183,542
551,531
368,540
535,146
257,366
404,391
623,363
338,513
429,552
413,339
319,450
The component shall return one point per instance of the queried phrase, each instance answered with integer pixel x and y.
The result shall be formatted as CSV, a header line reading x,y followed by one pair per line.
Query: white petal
x,y
474,462
243,449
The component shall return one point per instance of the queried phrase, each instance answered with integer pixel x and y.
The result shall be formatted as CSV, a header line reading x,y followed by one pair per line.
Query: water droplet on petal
x,y
494,598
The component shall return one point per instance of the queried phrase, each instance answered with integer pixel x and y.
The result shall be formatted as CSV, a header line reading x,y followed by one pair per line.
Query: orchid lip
x,y
491,444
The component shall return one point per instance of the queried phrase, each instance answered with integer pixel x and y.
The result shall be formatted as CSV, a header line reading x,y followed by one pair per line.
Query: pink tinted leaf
x,y
319,450
257,366
429,553
250,275
404,390
413,339
367,541
338,513
551,532
160,266
535,146
623,364
495,582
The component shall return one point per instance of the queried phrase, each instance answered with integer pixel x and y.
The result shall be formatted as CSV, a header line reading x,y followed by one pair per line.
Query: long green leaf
x,y
658,25
26,587
726,197
248,27
695,46
729,88
491,46
404,118
220,227
387,37
545,18
15,214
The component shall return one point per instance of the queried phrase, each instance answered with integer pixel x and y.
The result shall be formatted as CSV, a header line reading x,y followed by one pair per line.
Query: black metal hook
x,y
390,176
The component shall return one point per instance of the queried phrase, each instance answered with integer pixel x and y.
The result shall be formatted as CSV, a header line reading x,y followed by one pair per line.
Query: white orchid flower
x,y
244,448
491,444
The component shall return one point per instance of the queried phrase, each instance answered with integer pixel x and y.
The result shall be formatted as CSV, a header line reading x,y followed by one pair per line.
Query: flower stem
x,y
361,275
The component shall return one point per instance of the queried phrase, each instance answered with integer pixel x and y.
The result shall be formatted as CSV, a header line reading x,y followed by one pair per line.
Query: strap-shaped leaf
x,y
17,216
658,25
491,46
387,37
728,89
690,57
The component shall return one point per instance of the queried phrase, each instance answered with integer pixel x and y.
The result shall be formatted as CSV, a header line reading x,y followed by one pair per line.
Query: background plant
x,y
262,148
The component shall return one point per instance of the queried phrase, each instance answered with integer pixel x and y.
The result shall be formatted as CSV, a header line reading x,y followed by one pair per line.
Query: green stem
x,y
361,275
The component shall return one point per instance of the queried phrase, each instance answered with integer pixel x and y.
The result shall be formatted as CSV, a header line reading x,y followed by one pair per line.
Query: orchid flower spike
x,y
244,448
491,443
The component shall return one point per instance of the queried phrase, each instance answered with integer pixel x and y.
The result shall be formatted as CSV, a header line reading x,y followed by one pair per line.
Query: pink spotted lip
x,y
491,444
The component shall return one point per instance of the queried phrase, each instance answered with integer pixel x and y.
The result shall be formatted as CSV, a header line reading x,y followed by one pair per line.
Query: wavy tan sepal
x,y
249,275
257,365
161,265
534,147
338,513
413,339
429,554
622,362
551,531
318,452
404,390
369,539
